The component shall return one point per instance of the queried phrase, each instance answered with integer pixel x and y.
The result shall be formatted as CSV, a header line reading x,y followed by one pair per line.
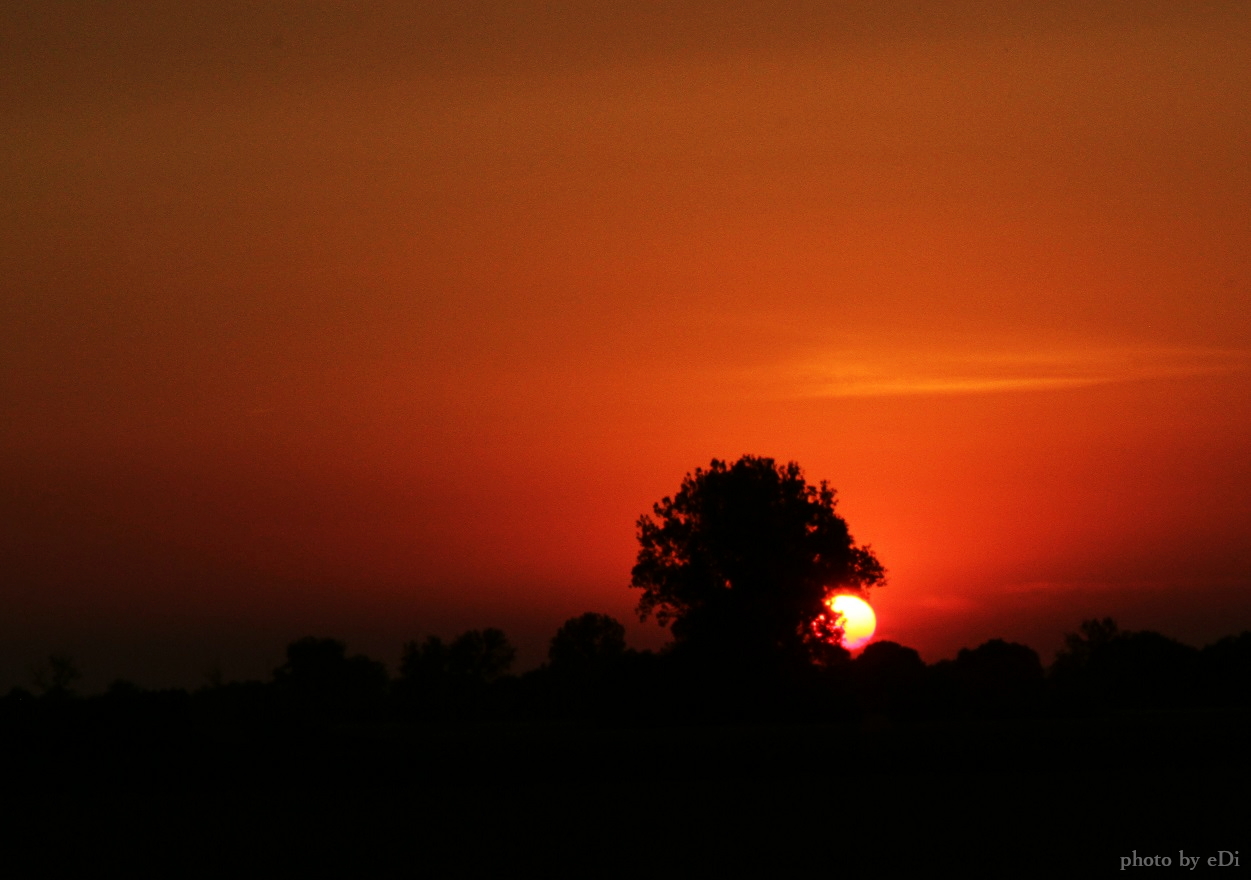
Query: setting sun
x,y
858,619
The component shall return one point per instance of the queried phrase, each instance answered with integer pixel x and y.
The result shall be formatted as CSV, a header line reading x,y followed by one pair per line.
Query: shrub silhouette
x,y
1104,667
586,645
56,677
438,679
1143,669
996,678
1226,669
320,683
890,678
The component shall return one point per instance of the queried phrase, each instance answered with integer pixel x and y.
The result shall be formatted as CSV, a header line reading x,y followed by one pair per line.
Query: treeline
x,y
591,674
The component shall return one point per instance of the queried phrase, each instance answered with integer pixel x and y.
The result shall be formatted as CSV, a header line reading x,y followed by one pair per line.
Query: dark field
x,y
979,796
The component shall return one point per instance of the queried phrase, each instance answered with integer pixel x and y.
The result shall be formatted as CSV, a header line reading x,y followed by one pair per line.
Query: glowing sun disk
x,y
858,619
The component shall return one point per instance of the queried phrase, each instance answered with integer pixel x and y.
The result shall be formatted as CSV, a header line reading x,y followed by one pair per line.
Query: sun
x,y
858,619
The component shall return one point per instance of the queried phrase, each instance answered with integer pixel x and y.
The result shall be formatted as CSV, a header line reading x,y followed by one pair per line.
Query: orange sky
x,y
376,323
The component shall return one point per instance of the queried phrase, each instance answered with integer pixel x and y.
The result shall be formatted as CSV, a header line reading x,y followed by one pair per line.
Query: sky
x,y
384,320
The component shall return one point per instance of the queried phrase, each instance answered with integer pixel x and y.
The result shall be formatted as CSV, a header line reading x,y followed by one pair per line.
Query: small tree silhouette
x,y
998,678
585,645
1092,636
319,682
57,676
890,678
437,679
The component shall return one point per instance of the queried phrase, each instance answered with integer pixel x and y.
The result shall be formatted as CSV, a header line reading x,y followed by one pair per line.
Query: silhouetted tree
x,y
1091,636
437,678
589,672
481,655
1226,666
1143,669
739,562
1103,667
476,655
320,682
586,644
57,676
997,678
890,678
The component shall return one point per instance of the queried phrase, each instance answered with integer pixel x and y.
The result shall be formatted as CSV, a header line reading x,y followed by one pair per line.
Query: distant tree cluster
x,y
591,674
739,564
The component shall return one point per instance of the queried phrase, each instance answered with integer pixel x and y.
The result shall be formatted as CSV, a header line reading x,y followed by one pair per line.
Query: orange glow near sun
x,y
857,617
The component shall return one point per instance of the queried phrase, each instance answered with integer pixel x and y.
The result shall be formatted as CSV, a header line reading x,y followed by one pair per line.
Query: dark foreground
x,y
1043,797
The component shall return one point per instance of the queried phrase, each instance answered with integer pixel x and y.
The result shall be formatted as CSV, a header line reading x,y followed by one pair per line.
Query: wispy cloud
x,y
1084,587
859,374
946,604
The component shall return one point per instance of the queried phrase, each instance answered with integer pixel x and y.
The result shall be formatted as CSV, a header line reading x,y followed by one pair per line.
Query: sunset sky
x,y
382,320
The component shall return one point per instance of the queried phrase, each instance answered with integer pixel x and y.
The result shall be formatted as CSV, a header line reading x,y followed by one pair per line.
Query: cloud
x,y
1084,587
947,604
857,374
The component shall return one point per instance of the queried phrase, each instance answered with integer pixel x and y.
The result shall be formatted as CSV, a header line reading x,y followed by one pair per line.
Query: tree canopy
x,y
477,656
586,643
743,557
